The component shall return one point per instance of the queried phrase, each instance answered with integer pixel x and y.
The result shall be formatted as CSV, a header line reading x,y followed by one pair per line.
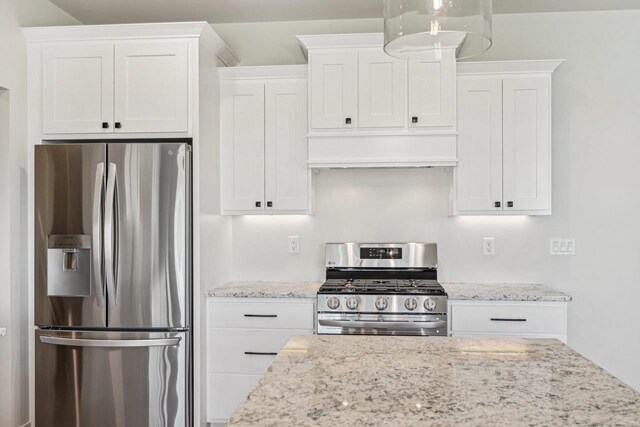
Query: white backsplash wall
x,y
596,198
391,205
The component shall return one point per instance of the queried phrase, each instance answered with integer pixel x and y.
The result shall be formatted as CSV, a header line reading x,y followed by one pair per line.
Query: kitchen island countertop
x,y
406,381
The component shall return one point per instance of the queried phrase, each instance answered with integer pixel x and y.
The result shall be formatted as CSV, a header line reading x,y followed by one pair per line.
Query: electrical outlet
x,y
563,246
489,246
294,244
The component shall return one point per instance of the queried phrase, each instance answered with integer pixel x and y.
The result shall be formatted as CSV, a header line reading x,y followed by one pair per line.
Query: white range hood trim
x,y
383,151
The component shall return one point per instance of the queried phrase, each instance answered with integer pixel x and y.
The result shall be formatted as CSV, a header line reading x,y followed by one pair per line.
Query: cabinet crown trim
x,y
344,41
264,72
508,67
76,33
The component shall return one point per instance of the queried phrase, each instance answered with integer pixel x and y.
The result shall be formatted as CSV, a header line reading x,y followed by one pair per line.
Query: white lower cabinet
x,y
508,318
243,337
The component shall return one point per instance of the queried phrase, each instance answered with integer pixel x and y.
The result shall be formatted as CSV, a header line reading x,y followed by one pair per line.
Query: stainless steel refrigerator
x,y
113,284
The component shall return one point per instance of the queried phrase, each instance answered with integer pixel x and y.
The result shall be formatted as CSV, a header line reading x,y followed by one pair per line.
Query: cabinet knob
x,y
269,204
509,204
105,125
347,120
414,119
497,204
258,204
118,125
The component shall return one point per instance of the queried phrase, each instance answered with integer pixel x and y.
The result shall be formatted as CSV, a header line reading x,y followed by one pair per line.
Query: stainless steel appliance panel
x,y
69,190
147,229
381,255
111,379
390,324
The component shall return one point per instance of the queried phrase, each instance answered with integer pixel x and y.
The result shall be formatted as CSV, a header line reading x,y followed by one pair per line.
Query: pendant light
x,y
414,27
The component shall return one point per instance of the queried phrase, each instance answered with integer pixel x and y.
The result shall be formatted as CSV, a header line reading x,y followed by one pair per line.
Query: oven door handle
x,y
398,326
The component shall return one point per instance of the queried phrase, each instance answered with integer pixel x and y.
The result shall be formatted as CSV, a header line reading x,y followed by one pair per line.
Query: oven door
x,y
388,324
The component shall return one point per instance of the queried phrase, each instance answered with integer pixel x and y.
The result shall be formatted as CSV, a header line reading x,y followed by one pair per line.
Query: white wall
x,y
13,148
596,131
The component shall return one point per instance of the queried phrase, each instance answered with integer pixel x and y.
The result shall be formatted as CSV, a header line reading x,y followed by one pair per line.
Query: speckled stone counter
x,y
257,289
503,292
408,381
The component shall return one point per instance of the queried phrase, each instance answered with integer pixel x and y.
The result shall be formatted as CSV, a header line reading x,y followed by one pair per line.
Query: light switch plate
x,y
562,246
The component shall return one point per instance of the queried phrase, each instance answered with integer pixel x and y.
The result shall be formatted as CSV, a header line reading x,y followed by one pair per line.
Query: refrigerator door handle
x,y
98,195
109,231
76,342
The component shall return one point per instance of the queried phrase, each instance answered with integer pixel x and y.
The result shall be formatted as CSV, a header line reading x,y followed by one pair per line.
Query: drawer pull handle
x,y
261,315
498,319
259,353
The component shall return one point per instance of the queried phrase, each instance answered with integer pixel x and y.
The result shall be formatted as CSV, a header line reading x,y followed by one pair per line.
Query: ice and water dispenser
x,y
69,265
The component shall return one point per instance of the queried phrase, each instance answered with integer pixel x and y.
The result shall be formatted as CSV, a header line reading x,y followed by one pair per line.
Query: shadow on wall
x,y
5,290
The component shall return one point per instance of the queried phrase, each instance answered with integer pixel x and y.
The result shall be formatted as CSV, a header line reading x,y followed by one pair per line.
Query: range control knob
x,y
381,303
429,304
333,303
352,303
410,304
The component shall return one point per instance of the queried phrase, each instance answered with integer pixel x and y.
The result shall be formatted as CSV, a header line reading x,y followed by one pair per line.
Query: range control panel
x,y
380,253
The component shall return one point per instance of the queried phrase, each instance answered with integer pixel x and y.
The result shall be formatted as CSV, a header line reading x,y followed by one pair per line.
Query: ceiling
x,y
226,11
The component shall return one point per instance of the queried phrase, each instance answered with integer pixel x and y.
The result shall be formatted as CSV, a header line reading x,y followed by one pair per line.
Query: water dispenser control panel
x,y
69,265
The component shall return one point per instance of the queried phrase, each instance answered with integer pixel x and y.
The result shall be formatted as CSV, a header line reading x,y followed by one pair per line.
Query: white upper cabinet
x,y
504,140
479,172
286,177
527,143
242,146
333,90
152,86
77,88
263,140
432,96
124,87
382,94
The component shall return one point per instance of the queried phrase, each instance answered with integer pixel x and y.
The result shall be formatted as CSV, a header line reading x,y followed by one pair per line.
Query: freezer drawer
x,y
113,379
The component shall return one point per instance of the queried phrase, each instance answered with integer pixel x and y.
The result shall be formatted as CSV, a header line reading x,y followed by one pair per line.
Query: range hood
x,y
376,151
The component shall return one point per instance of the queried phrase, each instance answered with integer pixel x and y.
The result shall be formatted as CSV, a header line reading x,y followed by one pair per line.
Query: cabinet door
x,y
479,171
526,144
152,86
333,89
382,91
77,88
287,176
432,91
242,146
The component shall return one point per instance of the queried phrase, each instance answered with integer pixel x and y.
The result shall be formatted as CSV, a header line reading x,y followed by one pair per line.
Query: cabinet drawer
x,y
226,393
509,318
236,351
261,314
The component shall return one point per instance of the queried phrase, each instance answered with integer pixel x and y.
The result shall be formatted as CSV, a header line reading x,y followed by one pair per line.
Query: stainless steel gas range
x,y
382,289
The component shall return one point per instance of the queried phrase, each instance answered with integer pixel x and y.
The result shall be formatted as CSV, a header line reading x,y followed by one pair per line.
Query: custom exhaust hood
x,y
371,110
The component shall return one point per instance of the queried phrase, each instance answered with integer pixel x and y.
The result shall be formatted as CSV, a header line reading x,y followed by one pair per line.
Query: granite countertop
x,y
329,380
260,289
456,291
503,292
